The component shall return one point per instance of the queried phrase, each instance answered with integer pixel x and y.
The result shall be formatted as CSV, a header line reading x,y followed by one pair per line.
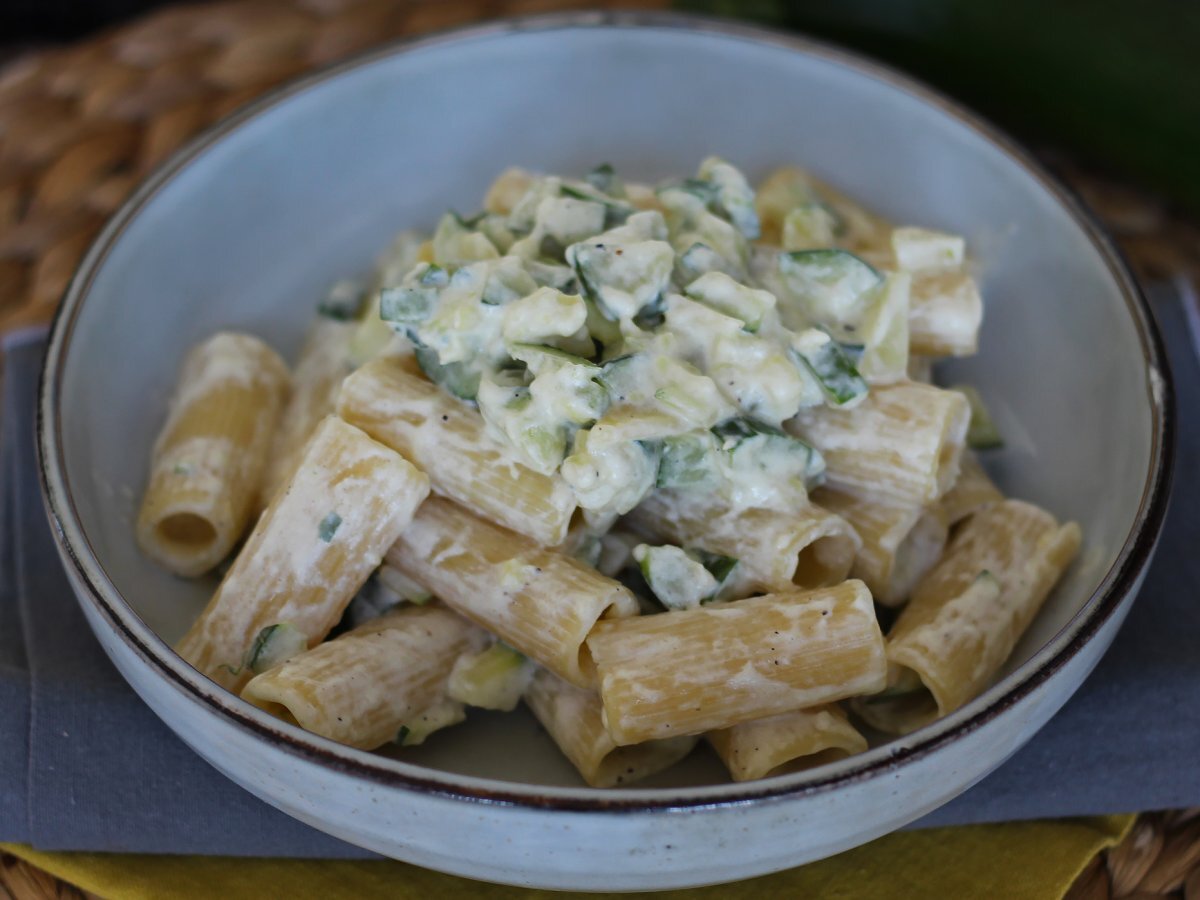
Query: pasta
x,y
209,457
653,460
318,376
903,443
363,687
574,718
786,743
726,663
808,547
448,442
899,543
539,601
967,614
322,535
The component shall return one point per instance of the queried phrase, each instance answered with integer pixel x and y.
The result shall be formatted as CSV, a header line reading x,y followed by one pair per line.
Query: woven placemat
x,y
81,125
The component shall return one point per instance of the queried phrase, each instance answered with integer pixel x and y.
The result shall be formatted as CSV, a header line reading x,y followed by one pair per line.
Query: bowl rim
x,y
87,572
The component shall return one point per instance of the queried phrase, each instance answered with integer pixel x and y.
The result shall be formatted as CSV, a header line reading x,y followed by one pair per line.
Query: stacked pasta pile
x,y
653,461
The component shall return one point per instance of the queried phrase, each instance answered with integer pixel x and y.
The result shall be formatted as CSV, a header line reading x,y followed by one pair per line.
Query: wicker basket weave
x,y
81,125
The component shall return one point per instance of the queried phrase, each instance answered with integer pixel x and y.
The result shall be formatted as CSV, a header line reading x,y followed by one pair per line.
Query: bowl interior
x,y
250,231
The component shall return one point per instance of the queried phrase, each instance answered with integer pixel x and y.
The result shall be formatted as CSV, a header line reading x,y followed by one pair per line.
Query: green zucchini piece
x,y
688,462
830,364
718,291
414,301
273,645
756,448
832,287
982,433
733,197
494,678
455,377
676,579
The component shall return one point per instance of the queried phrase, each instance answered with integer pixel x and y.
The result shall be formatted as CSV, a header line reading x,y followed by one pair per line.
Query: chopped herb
x,y
402,734
182,468
329,526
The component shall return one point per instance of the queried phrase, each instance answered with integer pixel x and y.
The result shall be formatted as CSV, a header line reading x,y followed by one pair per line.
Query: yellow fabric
x,y
1034,860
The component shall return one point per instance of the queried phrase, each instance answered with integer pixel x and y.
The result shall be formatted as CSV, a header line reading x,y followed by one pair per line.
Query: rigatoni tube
x,y
364,686
208,461
787,742
573,718
776,550
968,613
537,600
316,380
902,443
972,491
900,543
449,441
323,534
716,666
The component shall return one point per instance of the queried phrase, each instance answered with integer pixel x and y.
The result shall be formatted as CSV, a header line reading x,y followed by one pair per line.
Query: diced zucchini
x,y
610,476
494,227
720,292
344,301
688,461
569,219
454,244
982,433
506,281
456,377
884,332
416,298
539,356
811,226
757,376
546,315
829,364
273,645
924,248
733,196
605,179
697,260
524,212
832,287
616,210
622,278
757,449
552,275
494,678
677,580
691,222
442,714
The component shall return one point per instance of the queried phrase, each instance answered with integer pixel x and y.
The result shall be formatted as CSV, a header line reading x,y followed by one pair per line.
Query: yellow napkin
x,y
1035,860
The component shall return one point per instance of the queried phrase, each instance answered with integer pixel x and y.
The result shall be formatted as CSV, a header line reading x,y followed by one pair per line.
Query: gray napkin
x,y
85,765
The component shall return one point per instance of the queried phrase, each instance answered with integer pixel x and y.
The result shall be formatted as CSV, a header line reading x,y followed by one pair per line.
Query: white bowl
x,y
251,222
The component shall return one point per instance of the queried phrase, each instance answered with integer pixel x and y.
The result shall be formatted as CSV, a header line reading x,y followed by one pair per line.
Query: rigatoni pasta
x,y
207,464
318,541
574,718
899,543
450,444
967,614
540,601
776,550
684,448
787,742
369,686
903,443
322,366
689,672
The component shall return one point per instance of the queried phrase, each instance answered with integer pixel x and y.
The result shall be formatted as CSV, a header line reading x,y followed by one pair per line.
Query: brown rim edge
x,y
1130,563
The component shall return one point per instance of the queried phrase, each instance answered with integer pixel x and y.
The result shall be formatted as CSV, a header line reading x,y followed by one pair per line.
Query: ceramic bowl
x,y
248,225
